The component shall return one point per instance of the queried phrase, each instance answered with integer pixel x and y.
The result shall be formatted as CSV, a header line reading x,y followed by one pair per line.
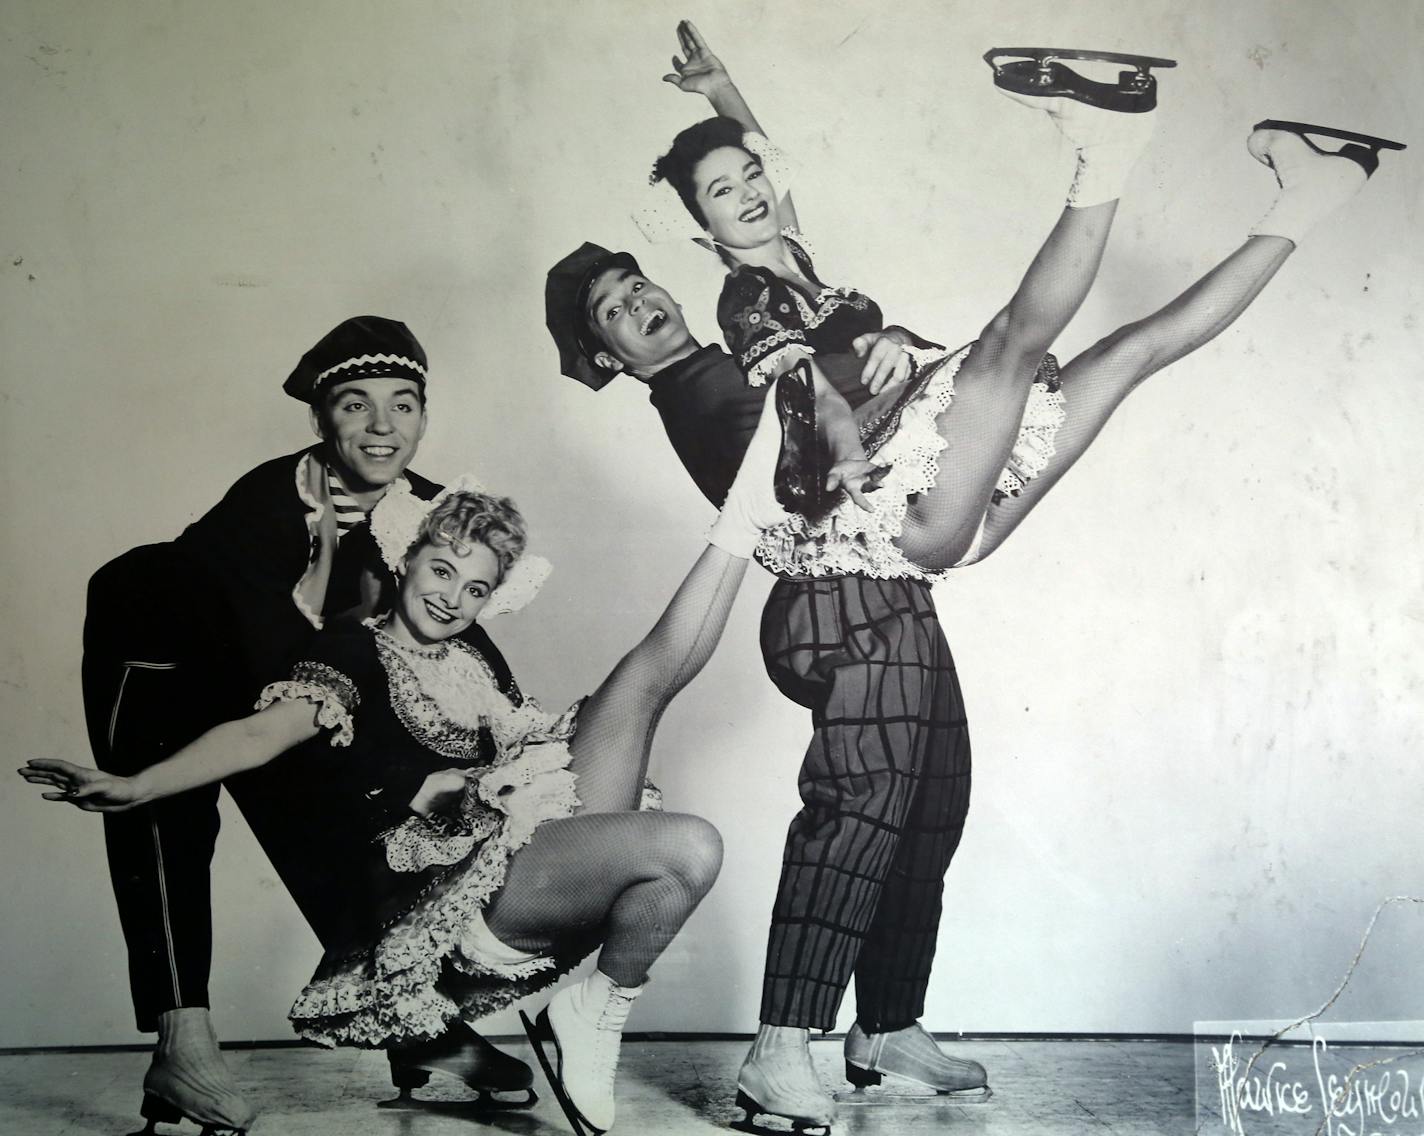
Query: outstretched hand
x,y
858,478
89,789
701,72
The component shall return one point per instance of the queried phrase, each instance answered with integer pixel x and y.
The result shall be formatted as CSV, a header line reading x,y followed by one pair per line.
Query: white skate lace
x,y
608,1040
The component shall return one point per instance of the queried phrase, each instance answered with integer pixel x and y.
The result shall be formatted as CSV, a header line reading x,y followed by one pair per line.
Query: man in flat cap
x,y
893,713
183,635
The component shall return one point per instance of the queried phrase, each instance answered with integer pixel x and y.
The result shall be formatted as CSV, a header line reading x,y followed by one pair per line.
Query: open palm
x,y
88,789
700,72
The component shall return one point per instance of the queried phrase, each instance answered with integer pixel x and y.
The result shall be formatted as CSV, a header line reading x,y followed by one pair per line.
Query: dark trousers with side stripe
x,y
149,689
885,790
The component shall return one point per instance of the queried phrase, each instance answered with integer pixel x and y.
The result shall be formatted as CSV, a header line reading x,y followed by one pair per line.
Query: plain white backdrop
x,y
1194,677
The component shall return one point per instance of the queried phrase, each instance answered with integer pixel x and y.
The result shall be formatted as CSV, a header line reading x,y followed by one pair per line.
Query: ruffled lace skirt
x,y
427,966
853,541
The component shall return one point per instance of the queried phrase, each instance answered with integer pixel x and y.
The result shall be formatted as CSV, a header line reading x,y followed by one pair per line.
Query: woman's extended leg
x,y
1097,381
616,724
994,380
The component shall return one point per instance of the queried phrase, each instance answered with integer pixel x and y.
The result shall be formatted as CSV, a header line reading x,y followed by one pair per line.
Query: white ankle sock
x,y
1108,144
1312,185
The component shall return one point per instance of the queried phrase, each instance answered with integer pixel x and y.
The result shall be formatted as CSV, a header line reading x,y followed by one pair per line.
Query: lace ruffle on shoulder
x,y
396,520
334,695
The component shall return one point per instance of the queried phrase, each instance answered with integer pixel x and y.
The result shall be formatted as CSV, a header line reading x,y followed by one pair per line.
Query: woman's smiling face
x,y
444,588
737,199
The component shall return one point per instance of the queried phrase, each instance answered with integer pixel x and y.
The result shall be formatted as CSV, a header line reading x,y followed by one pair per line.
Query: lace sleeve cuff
x,y
793,342
331,692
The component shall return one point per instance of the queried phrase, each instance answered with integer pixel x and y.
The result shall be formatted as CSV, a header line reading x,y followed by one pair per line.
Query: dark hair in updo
x,y
690,147
466,517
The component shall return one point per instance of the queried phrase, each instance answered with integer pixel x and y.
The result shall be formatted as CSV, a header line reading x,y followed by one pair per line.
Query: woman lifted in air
x,y
940,455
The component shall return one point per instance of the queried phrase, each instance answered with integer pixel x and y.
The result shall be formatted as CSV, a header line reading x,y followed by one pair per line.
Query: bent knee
x,y
693,851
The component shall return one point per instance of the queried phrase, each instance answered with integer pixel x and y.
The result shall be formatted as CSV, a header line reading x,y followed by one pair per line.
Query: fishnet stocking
x,y
639,875
993,384
616,725
1097,381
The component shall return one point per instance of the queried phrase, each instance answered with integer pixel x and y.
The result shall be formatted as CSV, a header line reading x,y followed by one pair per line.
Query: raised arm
x,y
702,73
229,748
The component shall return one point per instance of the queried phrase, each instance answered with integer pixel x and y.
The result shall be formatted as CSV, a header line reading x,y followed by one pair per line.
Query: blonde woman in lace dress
x,y
519,839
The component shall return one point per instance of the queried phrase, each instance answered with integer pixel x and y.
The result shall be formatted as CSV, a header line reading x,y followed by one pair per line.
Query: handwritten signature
x,y
1348,1105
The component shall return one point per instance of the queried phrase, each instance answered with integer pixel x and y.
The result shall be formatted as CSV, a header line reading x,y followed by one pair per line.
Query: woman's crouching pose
x,y
528,838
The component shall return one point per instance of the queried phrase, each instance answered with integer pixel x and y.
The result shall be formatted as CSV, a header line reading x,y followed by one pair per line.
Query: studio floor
x,y
666,1087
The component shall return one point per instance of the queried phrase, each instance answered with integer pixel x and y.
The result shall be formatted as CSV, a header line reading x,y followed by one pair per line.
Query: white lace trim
x,y
828,300
830,297
418,843
1044,414
391,993
766,369
800,238
520,585
415,844
851,540
485,952
477,964
443,696
331,706
396,521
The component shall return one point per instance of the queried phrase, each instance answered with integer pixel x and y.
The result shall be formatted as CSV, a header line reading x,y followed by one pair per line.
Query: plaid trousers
x,y
885,790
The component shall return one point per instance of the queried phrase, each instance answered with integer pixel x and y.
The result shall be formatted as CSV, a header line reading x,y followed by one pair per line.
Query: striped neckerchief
x,y
348,513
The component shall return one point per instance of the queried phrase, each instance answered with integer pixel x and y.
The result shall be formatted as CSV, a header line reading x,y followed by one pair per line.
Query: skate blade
x,y
540,1031
752,1109
1306,128
910,1093
482,1104
1037,72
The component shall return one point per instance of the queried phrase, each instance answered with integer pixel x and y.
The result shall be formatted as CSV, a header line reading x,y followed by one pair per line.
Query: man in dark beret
x,y
183,635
